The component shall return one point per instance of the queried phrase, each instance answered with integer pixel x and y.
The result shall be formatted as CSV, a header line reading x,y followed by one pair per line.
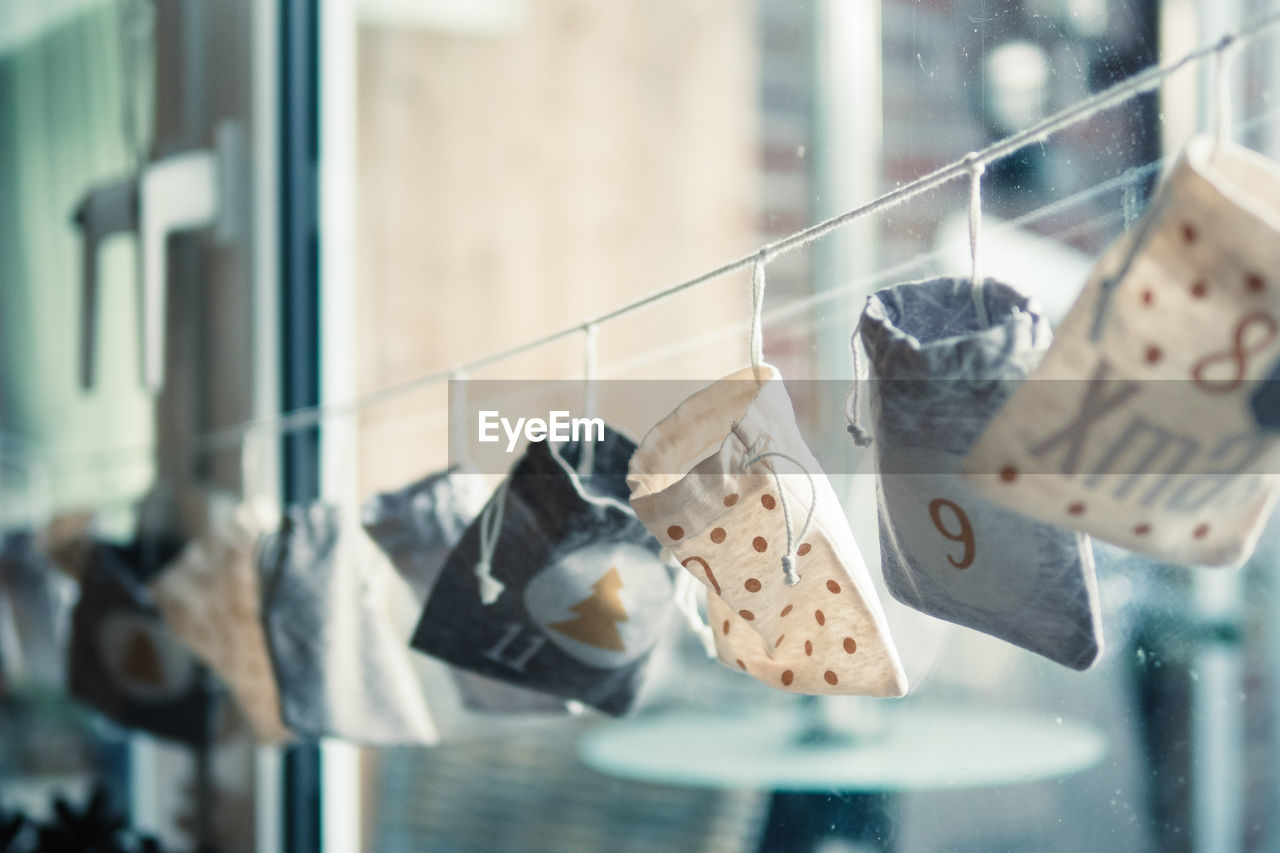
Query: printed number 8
x,y
964,536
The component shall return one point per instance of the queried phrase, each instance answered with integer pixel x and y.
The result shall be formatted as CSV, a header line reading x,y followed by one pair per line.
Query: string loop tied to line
x,y
756,340
973,161
1221,106
459,454
587,453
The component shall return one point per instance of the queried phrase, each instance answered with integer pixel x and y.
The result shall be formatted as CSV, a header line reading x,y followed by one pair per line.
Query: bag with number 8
x,y
940,373
1137,426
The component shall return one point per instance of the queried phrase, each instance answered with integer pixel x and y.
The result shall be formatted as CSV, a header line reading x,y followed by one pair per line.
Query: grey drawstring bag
x,y
331,607
940,372
557,586
126,664
417,527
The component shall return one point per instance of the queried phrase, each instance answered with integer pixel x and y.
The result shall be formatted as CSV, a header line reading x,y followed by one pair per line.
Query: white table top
x,y
920,747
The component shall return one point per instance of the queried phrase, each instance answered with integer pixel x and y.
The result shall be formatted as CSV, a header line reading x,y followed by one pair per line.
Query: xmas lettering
x,y
1222,471
558,426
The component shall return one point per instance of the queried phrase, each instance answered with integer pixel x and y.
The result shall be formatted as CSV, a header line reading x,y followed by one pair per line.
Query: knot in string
x,y
755,343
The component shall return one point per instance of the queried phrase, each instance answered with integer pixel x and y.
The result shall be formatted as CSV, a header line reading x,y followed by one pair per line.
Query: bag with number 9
x,y
941,372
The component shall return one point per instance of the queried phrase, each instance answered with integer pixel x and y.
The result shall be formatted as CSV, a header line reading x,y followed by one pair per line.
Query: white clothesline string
x,y
1127,183
1088,107
1125,90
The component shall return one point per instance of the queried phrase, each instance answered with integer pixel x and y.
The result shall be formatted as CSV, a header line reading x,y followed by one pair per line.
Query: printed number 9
x,y
964,536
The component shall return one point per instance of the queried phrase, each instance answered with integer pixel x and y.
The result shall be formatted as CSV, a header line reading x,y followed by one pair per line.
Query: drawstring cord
x,y
793,541
852,405
490,528
576,480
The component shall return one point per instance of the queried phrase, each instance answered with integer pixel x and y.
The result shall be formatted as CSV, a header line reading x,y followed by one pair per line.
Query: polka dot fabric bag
x,y
728,485
210,599
1137,426
940,373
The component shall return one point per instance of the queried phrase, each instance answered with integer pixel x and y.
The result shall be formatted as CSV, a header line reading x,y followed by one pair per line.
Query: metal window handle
x,y
178,193
104,210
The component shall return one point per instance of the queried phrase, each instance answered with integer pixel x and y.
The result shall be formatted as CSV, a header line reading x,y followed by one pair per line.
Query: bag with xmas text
x,y
1137,426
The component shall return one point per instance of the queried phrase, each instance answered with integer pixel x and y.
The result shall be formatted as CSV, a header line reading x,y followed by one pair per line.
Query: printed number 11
x,y
964,536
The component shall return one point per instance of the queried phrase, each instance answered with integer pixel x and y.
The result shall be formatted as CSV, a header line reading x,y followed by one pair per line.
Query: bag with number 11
x,y
1138,427
944,357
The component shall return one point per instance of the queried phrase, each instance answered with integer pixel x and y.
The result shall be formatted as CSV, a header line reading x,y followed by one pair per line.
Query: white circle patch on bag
x,y
142,659
605,605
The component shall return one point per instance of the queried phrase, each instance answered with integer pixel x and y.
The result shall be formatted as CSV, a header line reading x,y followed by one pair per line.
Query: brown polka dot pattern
x,y
1076,508
752,603
1199,290
676,532
1255,283
1148,297
1142,529
1201,531
1008,473
1189,233
1154,354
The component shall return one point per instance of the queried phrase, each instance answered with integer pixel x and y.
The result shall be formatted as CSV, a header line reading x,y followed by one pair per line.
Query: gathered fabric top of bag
x,y
947,341
678,475
940,371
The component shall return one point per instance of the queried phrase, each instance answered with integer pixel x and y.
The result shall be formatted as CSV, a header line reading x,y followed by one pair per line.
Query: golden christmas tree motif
x,y
142,661
598,615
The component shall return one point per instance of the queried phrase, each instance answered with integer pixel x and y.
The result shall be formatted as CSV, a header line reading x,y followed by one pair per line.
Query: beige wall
x,y
514,183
